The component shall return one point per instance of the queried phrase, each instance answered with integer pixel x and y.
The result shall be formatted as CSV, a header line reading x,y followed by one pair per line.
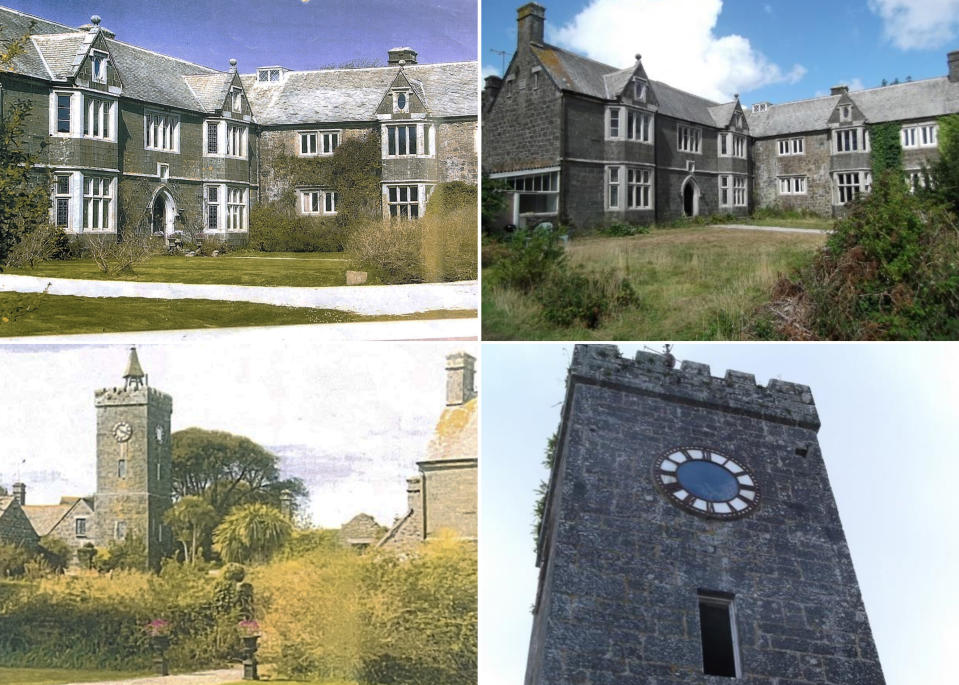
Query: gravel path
x,y
225,675
366,299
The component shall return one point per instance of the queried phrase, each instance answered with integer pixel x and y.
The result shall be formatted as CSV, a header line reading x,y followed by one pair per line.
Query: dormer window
x,y
236,100
270,74
98,66
760,107
639,90
401,101
738,120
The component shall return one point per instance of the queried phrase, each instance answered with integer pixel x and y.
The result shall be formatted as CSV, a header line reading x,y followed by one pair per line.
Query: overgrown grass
x,y
66,314
243,268
692,284
58,676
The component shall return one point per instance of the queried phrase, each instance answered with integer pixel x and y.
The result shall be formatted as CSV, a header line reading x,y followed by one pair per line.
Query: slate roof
x,y
582,75
5,501
722,114
156,78
915,100
59,52
210,90
331,95
45,517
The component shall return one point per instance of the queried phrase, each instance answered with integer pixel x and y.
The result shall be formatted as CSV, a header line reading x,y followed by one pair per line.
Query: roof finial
x,y
736,95
232,64
134,374
402,62
95,20
639,57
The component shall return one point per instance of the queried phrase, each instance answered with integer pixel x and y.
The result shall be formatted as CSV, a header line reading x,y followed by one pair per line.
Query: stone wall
x,y
15,527
814,164
450,496
622,566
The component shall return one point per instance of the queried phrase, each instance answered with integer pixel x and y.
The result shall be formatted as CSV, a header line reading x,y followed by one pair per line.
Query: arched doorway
x,y
163,212
690,198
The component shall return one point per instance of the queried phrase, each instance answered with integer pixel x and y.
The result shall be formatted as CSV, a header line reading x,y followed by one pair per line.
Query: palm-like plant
x,y
251,533
191,518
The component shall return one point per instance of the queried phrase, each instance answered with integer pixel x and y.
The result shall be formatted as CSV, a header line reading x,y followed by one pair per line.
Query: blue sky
x,y
293,33
763,49
889,418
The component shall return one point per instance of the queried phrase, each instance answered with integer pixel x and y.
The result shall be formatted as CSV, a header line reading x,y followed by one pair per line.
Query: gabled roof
x,y
679,104
45,517
617,81
59,52
210,90
928,98
722,114
331,95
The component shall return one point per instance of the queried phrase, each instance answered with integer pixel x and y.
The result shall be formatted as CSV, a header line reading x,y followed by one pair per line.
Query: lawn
x,y
65,314
58,676
693,284
314,269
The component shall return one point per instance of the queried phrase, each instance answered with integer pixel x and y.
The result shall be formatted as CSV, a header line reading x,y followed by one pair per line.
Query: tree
x,y
252,532
227,470
944,173
191,518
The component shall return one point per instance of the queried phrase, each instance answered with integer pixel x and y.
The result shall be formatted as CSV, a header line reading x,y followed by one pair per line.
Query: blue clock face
x,y
706,482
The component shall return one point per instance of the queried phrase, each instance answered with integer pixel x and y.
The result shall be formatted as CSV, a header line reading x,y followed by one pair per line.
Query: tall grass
x,y
441,246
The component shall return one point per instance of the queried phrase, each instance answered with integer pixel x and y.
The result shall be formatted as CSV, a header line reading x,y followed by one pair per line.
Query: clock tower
x,y
690,535
134,462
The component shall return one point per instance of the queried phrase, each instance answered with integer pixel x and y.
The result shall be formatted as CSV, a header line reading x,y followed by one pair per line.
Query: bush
x,y
618,229
113,257
889,271
13,558
452,196
274,228
130,554
533,255
43,243
56,553
570,295
440,246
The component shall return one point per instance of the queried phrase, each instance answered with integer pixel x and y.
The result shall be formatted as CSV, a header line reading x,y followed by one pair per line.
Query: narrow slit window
x,y
718,630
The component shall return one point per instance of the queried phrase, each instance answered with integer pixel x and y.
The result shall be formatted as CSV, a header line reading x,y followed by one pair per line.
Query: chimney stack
x,y
530,19
405,55
839,90
286,503
20,493
953,59
459,378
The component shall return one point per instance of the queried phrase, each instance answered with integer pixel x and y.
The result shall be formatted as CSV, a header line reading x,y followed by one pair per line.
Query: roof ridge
x,y
853,92
588,59
348,69
34,16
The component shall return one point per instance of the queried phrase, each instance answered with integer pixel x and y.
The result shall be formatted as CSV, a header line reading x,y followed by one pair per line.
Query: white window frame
x,y
611,114
640,89
855,137
739,146
734,143
730,605
77,525
237,208
614,187
847,188
845,113
272,75
317,201
399,195
236,100
161,131
75,123
62,196
736,190
99,203
915,136
425,140
792,185
689,139
534,77
214,203
740,192
98,115
163,172
639,122
536,183
397,109
725,190
639,188
235,140
102,74
324,142
792,146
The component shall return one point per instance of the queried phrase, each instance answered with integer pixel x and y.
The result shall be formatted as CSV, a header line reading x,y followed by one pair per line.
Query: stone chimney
x,y
20,493
459,379
286,503
530,19
490,91
953,59
839,90
406,55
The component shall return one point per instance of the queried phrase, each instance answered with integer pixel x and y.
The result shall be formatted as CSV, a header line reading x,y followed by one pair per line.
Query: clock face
x,y
159,433
706,482
122,431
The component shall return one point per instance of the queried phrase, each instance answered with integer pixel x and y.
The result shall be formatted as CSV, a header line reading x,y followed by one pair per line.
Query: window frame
x,y
405,93
60,196
796,184
211,207
424,132
153,128
237,210
526,184
789,147
641,187
408,204
613,185
102,203
915,129
104,120
101,75
80,526
726,601
325,142
684,144
325,197
236,137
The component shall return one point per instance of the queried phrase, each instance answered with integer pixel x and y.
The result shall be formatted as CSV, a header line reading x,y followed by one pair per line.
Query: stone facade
x,y
15,527
553,117
142,142
625,568
443,496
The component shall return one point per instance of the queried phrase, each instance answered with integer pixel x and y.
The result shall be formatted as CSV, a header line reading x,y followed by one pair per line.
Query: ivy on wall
x,y
353,171
886,147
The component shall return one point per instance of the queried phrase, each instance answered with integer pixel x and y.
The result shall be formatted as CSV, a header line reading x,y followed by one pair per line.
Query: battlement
x,y
106,397
692,383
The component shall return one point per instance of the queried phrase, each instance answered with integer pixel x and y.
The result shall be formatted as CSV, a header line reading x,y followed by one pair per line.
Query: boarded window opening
x,y
718,634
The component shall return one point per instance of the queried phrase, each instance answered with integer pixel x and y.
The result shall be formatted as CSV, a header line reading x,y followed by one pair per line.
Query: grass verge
x,y
693,284
66,314
58,676
318,269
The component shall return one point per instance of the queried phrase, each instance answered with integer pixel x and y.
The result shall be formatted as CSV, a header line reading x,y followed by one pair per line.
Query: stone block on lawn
x,y
356,277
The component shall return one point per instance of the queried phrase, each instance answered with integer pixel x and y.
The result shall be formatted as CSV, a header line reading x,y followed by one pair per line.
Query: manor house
x,y
585,143
140,141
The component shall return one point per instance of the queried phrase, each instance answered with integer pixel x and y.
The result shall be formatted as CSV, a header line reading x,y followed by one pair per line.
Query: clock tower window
x,y
121,468
717,626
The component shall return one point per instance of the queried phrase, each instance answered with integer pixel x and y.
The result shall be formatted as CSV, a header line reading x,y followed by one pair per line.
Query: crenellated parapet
x,y
106,397
692,383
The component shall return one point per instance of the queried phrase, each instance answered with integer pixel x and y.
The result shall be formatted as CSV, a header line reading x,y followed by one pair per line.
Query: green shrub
x,y
569,296
533,255
274,228
452,196
12,560
619,229
889,271
129,553
57,553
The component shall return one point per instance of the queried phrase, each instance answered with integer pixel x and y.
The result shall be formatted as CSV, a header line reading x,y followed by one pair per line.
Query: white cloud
x,y
490,70
678,42
853,83
918,24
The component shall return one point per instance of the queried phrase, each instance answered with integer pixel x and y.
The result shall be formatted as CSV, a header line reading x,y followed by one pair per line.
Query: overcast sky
x,y
352,419
763,49
890,426
299,34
